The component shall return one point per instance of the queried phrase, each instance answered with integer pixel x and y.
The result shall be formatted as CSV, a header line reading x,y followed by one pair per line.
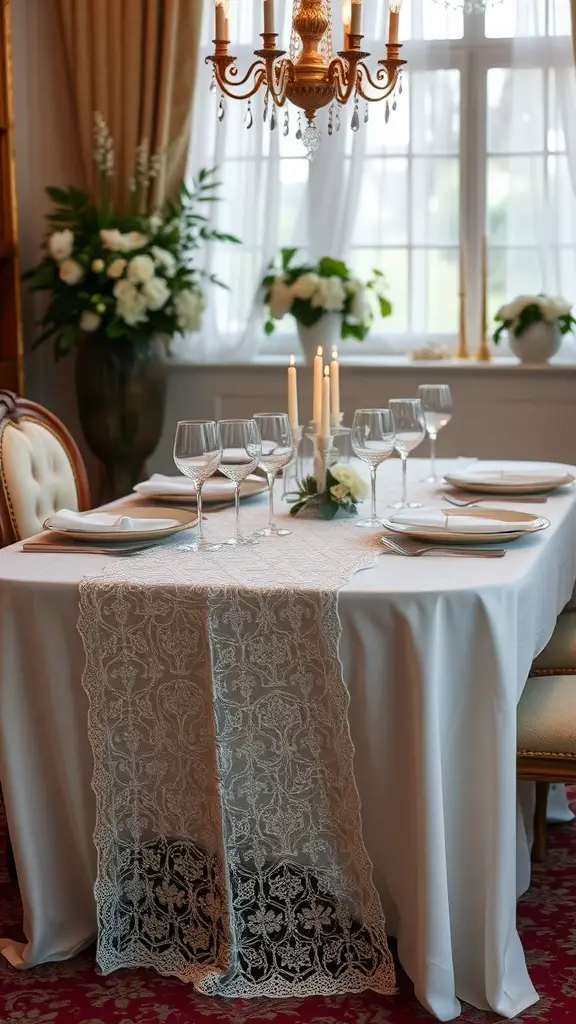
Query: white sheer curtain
x,y
494,91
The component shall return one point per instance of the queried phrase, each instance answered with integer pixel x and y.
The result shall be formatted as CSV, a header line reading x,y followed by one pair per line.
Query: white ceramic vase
x,y
537,344
325,333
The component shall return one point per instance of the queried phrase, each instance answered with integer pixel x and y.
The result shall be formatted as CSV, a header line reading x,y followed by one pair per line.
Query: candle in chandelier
x,y
292,396
356,18
220,15
317,393
335,388
346,16
269,16
325,419
394,22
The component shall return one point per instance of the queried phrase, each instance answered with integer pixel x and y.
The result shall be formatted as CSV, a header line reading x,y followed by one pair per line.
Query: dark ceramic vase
x,y
121,390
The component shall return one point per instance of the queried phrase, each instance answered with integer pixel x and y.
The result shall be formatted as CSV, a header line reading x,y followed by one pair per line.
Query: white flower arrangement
x,y
344,488
519,315
127,275
310,292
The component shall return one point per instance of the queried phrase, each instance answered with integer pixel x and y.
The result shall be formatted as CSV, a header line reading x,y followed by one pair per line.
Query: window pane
x,y
435,106
516,18
394,265
512,272
434,291
435,201
515,192
561,201
515,110
382,216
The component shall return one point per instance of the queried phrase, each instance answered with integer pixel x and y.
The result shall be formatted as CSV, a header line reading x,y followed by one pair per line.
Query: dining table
x,y
310,716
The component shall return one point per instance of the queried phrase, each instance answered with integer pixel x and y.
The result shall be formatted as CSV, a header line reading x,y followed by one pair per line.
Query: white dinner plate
x,y
465,526
176,520
215,490
509,481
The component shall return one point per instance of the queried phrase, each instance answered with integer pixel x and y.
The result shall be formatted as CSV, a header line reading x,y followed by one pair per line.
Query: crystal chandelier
x,y
469,6
311,77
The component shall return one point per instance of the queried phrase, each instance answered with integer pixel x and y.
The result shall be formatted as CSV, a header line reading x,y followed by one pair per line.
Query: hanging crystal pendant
x,y
331,120
355,122
286,123
221,109
213,86
249,120
400,86
387,112
311,137
366,115
337,120
394,105
265,115
273,119
299,129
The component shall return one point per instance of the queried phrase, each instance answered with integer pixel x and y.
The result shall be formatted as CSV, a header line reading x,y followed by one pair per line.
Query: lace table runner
x,y
229,836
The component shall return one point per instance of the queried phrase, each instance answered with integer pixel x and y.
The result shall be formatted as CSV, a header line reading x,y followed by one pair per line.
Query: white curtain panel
x,y
391,195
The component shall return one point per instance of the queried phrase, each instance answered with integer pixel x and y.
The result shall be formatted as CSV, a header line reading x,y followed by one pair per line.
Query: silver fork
x,y
416,550
479,499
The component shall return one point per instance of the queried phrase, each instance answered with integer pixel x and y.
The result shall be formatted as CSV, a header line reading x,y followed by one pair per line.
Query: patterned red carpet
x,y
73,993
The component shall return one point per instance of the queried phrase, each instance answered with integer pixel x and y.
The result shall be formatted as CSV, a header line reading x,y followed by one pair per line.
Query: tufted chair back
x,y
41,468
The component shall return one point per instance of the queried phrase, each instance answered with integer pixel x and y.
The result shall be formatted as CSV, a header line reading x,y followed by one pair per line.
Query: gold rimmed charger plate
x,y
184,521
525,523
248,489
509,483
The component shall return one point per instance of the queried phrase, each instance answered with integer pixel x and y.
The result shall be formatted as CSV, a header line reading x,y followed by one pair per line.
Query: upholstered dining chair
x,y
546,741
41,468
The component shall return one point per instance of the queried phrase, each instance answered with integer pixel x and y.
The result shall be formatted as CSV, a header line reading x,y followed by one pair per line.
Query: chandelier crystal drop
x,y
469,6
312,76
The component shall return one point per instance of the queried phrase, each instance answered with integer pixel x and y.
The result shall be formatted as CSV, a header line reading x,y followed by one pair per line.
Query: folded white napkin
x,y
99,522
166,484
435,518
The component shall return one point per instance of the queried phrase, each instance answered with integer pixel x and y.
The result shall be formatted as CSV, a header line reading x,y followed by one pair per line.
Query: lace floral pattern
x,y
228,820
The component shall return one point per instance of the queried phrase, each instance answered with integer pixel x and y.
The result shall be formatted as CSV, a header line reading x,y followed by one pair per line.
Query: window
x,y
478,145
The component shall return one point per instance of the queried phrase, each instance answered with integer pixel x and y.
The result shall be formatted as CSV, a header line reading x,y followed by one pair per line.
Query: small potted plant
x,y
325,299
535,326
121,284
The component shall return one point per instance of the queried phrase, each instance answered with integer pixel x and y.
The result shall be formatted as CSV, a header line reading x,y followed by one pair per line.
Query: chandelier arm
x,y
386,73
225,73
279,74
343,76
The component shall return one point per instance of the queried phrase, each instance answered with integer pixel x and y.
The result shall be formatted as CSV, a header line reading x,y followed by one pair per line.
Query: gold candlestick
x,y
462,352
483,355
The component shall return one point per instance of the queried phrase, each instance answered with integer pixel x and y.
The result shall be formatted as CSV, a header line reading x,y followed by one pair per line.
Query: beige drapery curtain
x,y
135,62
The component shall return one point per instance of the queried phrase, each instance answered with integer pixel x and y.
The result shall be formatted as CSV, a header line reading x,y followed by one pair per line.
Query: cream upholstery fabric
x,y
547,715
36,475
560,653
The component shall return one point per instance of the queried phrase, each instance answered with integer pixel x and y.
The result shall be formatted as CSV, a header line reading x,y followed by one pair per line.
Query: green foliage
x,y
532,314
178,230
323,502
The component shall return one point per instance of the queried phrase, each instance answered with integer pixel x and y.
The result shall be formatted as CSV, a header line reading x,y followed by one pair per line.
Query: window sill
x,y
390,364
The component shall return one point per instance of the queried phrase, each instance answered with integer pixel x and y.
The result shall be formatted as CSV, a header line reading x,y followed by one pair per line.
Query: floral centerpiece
x,y
325,299
340,491
535,326
118,283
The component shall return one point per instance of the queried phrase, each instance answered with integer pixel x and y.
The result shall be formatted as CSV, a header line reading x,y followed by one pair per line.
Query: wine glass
x,y
436,402
373,440
410,432
197,455
277,452
241,449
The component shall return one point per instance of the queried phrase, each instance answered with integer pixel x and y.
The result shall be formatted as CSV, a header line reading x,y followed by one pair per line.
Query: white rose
x,y
89,321
305,286
60,244
339,491
133,240
189,306
164,259
350,479
116,268
98,266
140,269
71,272
130,304
563,308
156,221
111,239
156,292
280,301
329,295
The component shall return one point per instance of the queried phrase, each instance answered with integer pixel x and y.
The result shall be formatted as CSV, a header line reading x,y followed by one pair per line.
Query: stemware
x,y
277,452
373,441
240,453
410,432
197,455
436,402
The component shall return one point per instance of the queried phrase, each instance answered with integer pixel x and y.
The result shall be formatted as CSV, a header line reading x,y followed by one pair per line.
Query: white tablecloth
x,y
436,652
